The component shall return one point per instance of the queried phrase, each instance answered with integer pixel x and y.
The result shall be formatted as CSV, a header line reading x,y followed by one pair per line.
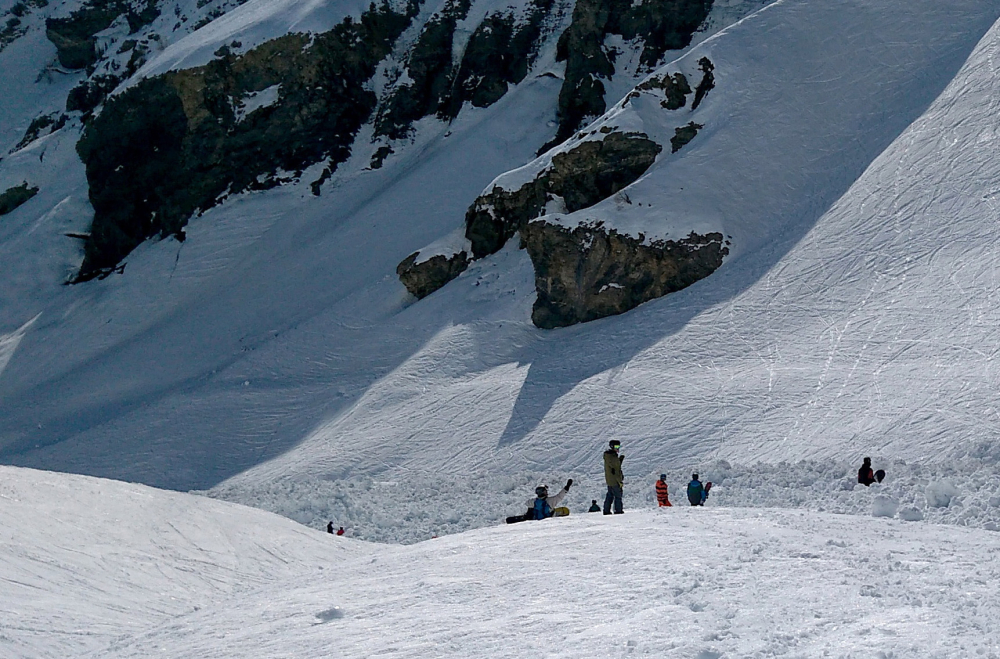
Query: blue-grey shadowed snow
x,y
336,613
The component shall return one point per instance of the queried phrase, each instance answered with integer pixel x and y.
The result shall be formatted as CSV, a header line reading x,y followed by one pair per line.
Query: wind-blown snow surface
x,y
277,343
105,569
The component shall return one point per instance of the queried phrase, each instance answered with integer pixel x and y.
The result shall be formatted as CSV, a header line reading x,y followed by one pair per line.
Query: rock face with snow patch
x,y
661,25
174,144
582,176
590,272
424,277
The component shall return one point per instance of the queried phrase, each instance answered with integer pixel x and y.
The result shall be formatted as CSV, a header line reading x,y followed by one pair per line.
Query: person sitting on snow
x,y
662,497
695,491
594,508
548,506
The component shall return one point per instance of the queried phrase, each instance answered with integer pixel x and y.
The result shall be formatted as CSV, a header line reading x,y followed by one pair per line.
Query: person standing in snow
x,y
662,496
865,475
614,478
329,527
594,508
695,491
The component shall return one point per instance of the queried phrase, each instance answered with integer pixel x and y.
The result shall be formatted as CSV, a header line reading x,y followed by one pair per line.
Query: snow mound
x,y
87,560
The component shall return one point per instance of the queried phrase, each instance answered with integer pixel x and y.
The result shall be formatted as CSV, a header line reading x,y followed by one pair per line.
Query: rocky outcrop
x,y
175,144
13,26
683,135
74,36
429,69
13,197
423,278
580,177
497,55
590,272
661,25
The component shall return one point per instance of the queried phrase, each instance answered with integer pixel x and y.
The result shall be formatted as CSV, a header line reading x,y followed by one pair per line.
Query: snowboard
x,y
556,512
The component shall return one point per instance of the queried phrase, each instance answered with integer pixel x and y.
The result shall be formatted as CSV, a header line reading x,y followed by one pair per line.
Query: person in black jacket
x,y
613,477
865,475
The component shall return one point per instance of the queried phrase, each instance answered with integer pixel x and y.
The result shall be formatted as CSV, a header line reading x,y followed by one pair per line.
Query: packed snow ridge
x,y
96,568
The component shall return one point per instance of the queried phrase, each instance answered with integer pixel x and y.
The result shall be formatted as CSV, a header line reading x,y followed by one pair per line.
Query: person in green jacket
x,y
613,477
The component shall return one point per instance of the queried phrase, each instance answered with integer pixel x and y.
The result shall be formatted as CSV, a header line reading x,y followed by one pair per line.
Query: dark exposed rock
x,y
498,55
675,89
74,38
661,24
429,68
172,145
422,279
590,172
591,272
707,81
90,93
683,135
44,124
11,198
378,158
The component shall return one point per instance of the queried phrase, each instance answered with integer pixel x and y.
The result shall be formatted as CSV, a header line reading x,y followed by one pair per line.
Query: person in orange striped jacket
x,y
661,491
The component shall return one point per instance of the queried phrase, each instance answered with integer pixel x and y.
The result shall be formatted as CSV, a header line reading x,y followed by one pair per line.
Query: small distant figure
x,y
662,496
340,531
696,491
614,478
594,508
329,528
865,474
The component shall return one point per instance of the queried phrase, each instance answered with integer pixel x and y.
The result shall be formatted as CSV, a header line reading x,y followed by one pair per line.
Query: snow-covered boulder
x,y
939,494
884,506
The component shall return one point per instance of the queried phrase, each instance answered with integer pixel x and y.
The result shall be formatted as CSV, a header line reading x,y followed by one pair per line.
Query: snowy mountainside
x,y
96,568
249,247
270,343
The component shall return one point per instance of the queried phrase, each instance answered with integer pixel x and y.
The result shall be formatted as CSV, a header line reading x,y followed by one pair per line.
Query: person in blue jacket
x,y
695,491
544,505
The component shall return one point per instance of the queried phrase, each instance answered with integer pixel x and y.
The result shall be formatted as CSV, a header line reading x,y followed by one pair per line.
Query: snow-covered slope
x,y
103,569
87,561
275,343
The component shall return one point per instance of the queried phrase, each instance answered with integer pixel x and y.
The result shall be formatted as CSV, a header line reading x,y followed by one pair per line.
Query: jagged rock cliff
x,y
589,270
174,144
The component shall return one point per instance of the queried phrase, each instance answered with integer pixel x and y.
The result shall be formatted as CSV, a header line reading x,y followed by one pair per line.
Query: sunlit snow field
x,y
105,569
